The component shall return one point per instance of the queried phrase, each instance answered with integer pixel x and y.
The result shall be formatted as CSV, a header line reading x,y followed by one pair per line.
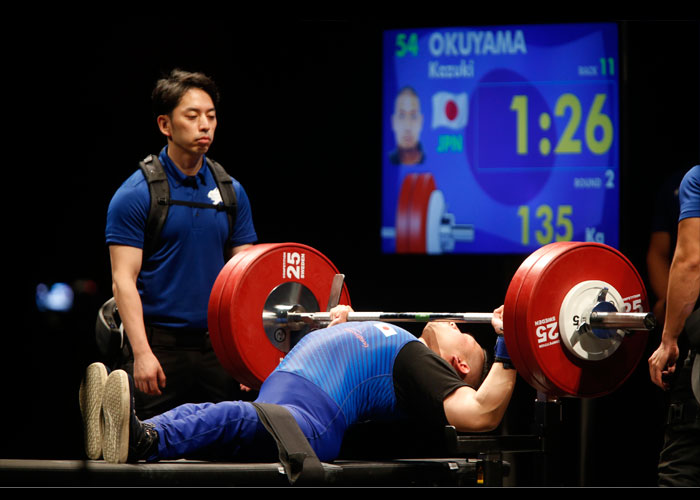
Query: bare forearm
x,y
683,289
494,393
684,279
131,313
482,410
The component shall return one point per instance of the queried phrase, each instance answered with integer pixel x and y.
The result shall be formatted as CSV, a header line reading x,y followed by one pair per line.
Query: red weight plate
x,y
228,308
213,310
403,214
520,355
220,299
542,292
528,357
528,362
219,333
418,213
227,349
250,354
548,253
234,361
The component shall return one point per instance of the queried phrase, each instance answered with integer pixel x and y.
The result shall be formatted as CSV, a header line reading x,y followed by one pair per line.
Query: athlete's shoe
x,y
125,437
90,396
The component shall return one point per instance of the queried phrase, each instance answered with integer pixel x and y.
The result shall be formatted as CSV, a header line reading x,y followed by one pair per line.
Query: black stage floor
x,y
188,473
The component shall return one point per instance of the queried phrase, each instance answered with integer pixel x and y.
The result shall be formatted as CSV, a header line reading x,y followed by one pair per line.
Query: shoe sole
x,y
90,396
116,407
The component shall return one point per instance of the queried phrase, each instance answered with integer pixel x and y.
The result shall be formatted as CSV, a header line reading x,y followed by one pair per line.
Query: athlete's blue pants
x,y
231,430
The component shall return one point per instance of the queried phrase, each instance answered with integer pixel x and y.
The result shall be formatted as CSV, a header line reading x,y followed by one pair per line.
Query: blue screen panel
x,y
499,139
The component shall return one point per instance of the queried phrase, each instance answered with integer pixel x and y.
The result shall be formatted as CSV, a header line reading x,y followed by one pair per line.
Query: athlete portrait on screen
x,y
407,123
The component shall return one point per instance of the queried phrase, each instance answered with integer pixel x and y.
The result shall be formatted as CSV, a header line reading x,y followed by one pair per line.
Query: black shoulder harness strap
x,y
159,189
296,455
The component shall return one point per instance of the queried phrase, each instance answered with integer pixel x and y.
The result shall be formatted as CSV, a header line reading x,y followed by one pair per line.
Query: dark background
x,y
299,127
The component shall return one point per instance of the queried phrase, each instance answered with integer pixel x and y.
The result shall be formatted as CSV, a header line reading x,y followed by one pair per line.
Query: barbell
x,y
571,313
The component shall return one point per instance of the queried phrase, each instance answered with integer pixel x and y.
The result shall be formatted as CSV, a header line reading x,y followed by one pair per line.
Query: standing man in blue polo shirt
x,y
675,365
162,297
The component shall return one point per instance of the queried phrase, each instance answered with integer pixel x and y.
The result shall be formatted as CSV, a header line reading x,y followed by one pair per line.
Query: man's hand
x,y
500,352
339,314
663,363
497,321
149,377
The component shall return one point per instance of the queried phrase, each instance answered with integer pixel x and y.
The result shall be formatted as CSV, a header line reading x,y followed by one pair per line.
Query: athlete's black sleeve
x,y
422,381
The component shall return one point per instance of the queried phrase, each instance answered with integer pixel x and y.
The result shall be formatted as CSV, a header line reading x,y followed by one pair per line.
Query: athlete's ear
x,y
164,125
461,366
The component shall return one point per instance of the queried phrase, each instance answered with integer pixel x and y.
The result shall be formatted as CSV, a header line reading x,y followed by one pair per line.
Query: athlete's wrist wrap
x,y
501,353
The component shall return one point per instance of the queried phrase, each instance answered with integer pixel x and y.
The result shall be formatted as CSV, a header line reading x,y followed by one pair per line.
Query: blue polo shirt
x,y
689,194
176,281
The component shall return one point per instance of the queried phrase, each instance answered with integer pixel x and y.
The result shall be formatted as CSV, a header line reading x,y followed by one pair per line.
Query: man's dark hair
x,y
170,89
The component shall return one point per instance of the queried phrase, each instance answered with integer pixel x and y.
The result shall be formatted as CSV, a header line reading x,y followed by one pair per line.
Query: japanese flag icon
x,y
385,329
450,110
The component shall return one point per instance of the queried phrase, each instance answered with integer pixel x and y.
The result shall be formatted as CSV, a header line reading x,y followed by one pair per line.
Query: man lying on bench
x,y
347,373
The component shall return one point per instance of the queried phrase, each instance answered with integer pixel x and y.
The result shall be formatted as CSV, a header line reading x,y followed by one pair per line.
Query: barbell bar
x,y
597,320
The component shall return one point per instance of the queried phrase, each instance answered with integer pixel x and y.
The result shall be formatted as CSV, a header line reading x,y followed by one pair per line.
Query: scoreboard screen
x,y
499,139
